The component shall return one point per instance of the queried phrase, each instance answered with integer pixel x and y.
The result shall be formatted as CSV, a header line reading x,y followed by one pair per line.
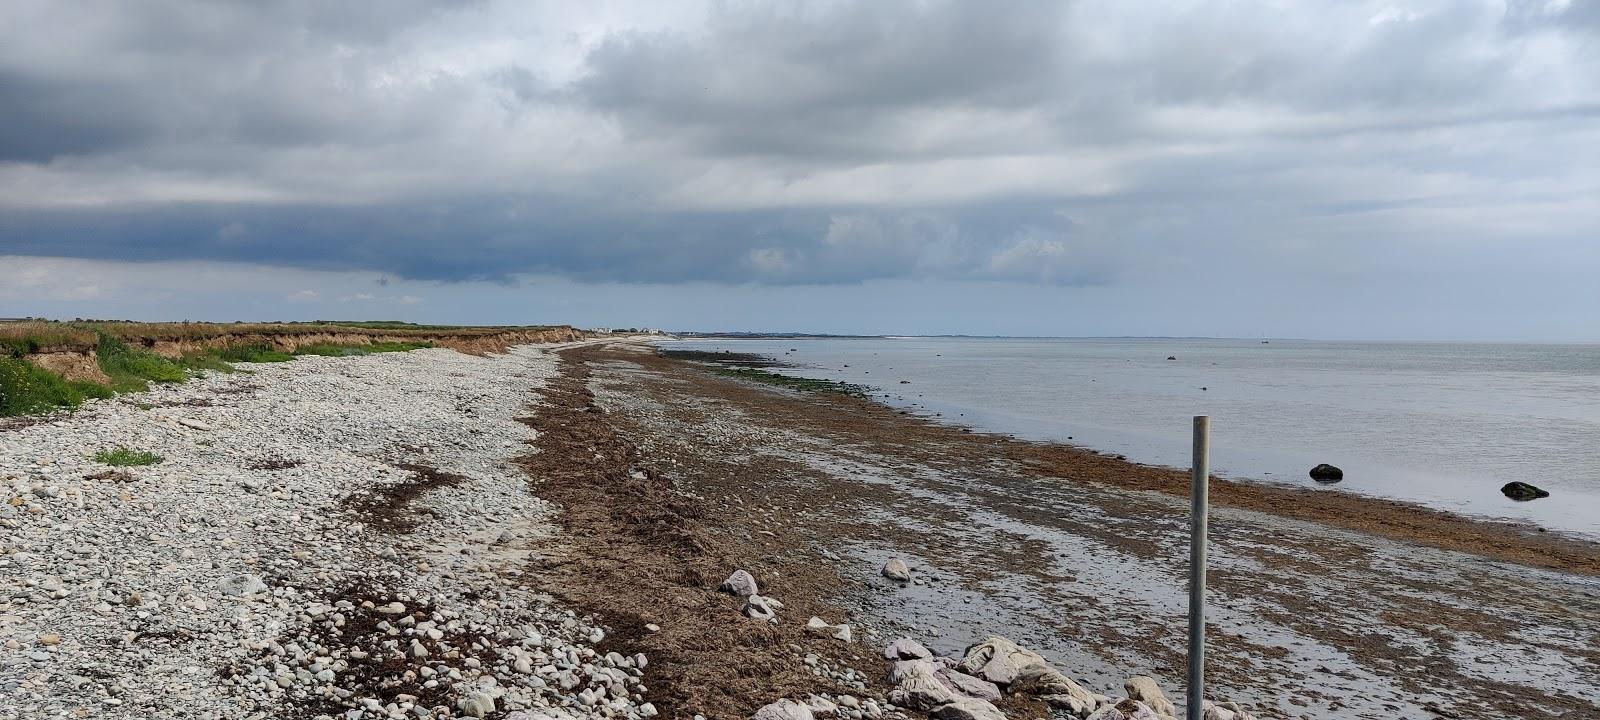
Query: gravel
x,y
246,575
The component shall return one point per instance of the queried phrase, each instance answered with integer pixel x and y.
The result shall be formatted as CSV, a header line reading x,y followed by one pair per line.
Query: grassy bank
x,y
34,336
27,389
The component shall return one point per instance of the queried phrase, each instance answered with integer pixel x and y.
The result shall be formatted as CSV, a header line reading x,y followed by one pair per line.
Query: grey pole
x,y
1197,566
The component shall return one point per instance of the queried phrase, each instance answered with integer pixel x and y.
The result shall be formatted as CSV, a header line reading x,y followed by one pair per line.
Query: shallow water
x,y
1441,424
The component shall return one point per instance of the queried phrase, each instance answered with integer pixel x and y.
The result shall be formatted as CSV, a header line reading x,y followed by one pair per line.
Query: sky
x,y
1350,169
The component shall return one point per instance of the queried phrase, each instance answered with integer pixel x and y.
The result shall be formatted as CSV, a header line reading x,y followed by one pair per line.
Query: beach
x,y
1324,605
542,533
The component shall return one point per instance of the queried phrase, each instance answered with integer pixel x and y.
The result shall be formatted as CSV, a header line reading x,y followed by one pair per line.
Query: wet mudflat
x,y
1322,607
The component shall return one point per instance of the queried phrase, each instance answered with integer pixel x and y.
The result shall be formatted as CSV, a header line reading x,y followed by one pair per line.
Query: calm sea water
x,y
1441,424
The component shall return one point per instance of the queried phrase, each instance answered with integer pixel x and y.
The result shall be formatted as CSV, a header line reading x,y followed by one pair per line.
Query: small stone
x,y
243,584
49,639
740,583
782,710
757,607
897,570
394,608
820,627
477,704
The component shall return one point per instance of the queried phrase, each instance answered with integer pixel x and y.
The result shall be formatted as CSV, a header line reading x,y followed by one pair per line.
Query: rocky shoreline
x,y
567,531
251,574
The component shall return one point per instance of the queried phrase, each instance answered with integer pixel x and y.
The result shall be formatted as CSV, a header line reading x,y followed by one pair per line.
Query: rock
x,y
647,710
49,639
740,583
195,424
968,685
1042,680
1326,473
920,689
1522,492
760,608
393,608
906,649
1224,711
820,705
1144,689
967,709
820,627
897,571
998,660
1125,709
242,584
476,704
784,710
1075,707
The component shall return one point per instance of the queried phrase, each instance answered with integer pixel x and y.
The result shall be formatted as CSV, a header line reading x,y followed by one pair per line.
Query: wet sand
x,y
1323,605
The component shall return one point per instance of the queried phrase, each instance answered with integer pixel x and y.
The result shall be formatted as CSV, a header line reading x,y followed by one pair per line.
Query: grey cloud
x,y
821,80
1067,144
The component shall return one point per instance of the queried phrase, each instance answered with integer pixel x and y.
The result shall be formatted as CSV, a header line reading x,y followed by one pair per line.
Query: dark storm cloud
x,y
490,240
1077,143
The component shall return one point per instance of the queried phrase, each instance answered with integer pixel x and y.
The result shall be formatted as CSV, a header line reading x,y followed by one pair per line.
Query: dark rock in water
x,y
1522,492
1172,357
1326,473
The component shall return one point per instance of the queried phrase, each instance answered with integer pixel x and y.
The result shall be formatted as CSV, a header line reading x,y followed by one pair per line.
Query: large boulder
x,y
1326,473
969,685
1020,670
1042,680
1224,711
967,709
1144,689
897,571
1522,492
785,709
1126,709
906,649
740,583
919,688
998,660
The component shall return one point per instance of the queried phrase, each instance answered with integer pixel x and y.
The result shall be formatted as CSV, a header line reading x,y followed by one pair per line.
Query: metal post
x,y
1197,566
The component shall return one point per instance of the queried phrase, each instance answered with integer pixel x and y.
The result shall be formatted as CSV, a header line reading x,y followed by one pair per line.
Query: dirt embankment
x,y
70,364
82,364
472,344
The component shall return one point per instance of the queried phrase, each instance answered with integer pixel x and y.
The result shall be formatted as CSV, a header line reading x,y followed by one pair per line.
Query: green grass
x,y
123,457
26,388
253,353
195,362
795,383
132,370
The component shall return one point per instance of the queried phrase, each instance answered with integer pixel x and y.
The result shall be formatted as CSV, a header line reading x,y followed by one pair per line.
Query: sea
x,y
1440,424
